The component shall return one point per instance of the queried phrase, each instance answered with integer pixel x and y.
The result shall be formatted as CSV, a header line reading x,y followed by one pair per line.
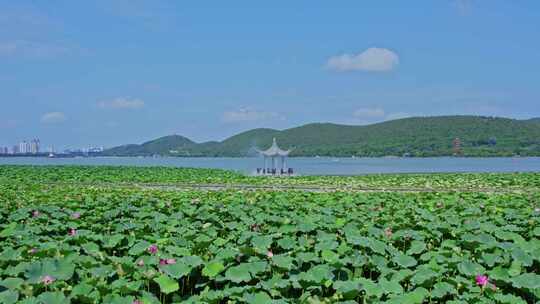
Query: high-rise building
x,y
34,146
15,149
22,147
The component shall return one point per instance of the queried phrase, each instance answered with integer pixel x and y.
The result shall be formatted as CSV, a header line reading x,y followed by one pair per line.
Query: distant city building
x,y
23,147
4,150
95,149
15,150
34,146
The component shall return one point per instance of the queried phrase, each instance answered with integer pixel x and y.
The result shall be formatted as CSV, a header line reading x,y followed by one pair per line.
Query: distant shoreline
x,y
253,157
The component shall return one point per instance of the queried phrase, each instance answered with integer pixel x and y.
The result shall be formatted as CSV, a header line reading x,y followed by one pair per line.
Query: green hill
x,y
419,136
173,144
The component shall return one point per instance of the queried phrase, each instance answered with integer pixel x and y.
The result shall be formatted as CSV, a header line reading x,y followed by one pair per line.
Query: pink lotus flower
x,y
167,261
76,215
35,213
32,251
388,232
269,254
72,232
137,302
537,210
482,280
47,280
140,263
153,249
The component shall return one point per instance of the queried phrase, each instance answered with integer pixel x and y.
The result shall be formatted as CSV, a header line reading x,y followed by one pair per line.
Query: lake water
x,y
310,165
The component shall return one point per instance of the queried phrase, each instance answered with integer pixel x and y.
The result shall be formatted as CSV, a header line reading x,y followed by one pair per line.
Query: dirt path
x,y
306,188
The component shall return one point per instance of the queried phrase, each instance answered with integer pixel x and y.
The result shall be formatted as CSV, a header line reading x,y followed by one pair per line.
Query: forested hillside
x,y
419,136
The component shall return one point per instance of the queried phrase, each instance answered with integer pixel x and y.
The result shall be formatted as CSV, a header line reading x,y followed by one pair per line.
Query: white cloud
x,y
250,115
373,115
53,117
464,7
122,103
397,115
369,113
372,60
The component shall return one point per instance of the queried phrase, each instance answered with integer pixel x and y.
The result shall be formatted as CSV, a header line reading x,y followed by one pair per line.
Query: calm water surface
x,y
309,165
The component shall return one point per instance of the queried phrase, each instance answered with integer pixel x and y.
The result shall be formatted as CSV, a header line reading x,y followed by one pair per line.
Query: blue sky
x,y
112,72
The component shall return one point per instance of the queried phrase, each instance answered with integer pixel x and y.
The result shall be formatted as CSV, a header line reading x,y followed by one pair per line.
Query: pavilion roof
x,y
275,150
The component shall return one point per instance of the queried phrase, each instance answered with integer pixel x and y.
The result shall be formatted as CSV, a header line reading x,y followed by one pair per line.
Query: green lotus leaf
x,y
10,254
212,269
257,267
521,256
238,273
470,269
53,298
371,288
508,299
166,284
417,247
8,230
348,289
526,280
499,273
417,296
177,270
390,286
287,242
11,283
112,240
148,298
30,300
422,275
82,289
9,296
404,261
262,243
91,248
442,289
330,256
283,261
318,274
117,299
139,248
258,298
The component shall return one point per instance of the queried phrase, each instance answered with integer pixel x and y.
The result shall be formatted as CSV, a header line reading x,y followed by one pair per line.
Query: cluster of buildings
x,y
90,150
33,147
24,147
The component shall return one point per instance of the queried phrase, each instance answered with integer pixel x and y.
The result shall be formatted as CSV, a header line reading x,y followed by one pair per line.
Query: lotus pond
x,y
165,175
86,244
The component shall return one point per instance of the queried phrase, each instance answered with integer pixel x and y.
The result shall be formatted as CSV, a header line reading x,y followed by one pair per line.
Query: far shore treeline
x,y
415,137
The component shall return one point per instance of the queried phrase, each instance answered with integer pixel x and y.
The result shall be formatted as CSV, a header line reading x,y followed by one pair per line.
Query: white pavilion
x,y
275,154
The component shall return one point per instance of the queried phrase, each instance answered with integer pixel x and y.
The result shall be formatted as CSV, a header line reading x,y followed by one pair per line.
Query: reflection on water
x,y
311,165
